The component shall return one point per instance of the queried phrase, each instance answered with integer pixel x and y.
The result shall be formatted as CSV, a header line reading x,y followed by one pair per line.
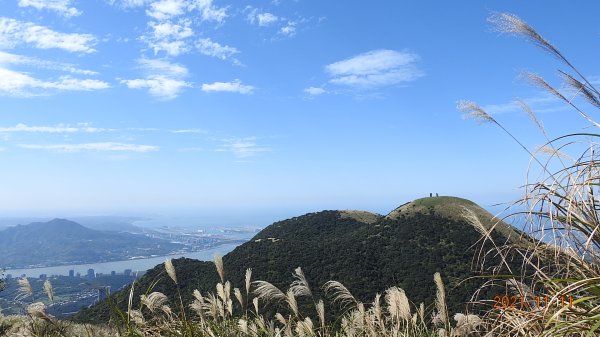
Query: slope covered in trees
x,y
366,252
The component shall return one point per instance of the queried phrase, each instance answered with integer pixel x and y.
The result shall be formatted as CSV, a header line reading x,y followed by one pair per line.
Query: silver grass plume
x,y
531,115
550,151
268,292
512,24
472,110
255,303
466,324
170,270
340,293
292,303
243,326
137,317
300,285
397,304
37,309
238,295
25,289
248,280
582,89
474,221
49,290
279,317
377,308
154,301
219,265
305,328
440,298
321,313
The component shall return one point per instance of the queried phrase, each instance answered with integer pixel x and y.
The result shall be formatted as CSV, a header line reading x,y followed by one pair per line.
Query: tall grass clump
x,y
262,309
560,210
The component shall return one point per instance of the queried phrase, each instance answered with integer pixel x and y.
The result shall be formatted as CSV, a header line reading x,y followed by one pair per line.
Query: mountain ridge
x,y
61,241
404,249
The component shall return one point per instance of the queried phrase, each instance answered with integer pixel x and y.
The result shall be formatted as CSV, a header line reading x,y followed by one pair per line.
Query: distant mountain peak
x,y
453,208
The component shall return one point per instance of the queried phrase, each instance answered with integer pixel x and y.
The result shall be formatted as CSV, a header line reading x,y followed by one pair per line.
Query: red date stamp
x,y
518,302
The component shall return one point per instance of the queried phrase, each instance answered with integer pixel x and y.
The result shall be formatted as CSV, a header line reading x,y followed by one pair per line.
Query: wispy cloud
x,y
62,7
210,48
542,103
233,86
198,131
289,29
376,68
315,91
15,83
100,147
60,128
14,32
163,80
169,37
8,59
242,147
163,67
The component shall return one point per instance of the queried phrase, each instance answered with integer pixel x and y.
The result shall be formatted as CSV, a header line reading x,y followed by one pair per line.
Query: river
x,y
120,266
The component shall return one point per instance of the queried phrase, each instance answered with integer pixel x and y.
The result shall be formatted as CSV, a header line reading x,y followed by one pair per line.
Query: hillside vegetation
x,y
366,252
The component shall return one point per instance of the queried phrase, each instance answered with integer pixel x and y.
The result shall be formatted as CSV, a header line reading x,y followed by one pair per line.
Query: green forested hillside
x,y
366,252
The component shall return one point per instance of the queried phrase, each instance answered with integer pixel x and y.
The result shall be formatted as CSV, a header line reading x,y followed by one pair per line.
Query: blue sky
x,y
270,108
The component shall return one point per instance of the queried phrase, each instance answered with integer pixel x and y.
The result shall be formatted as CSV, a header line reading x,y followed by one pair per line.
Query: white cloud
x,y
59,6
262,19
169,37
158,86
209,12
213,49
164,80
13,33
314,91
107,146
61,128
166,9
289,29
7,59
162,67
242,147
234,86
21,84
375,68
